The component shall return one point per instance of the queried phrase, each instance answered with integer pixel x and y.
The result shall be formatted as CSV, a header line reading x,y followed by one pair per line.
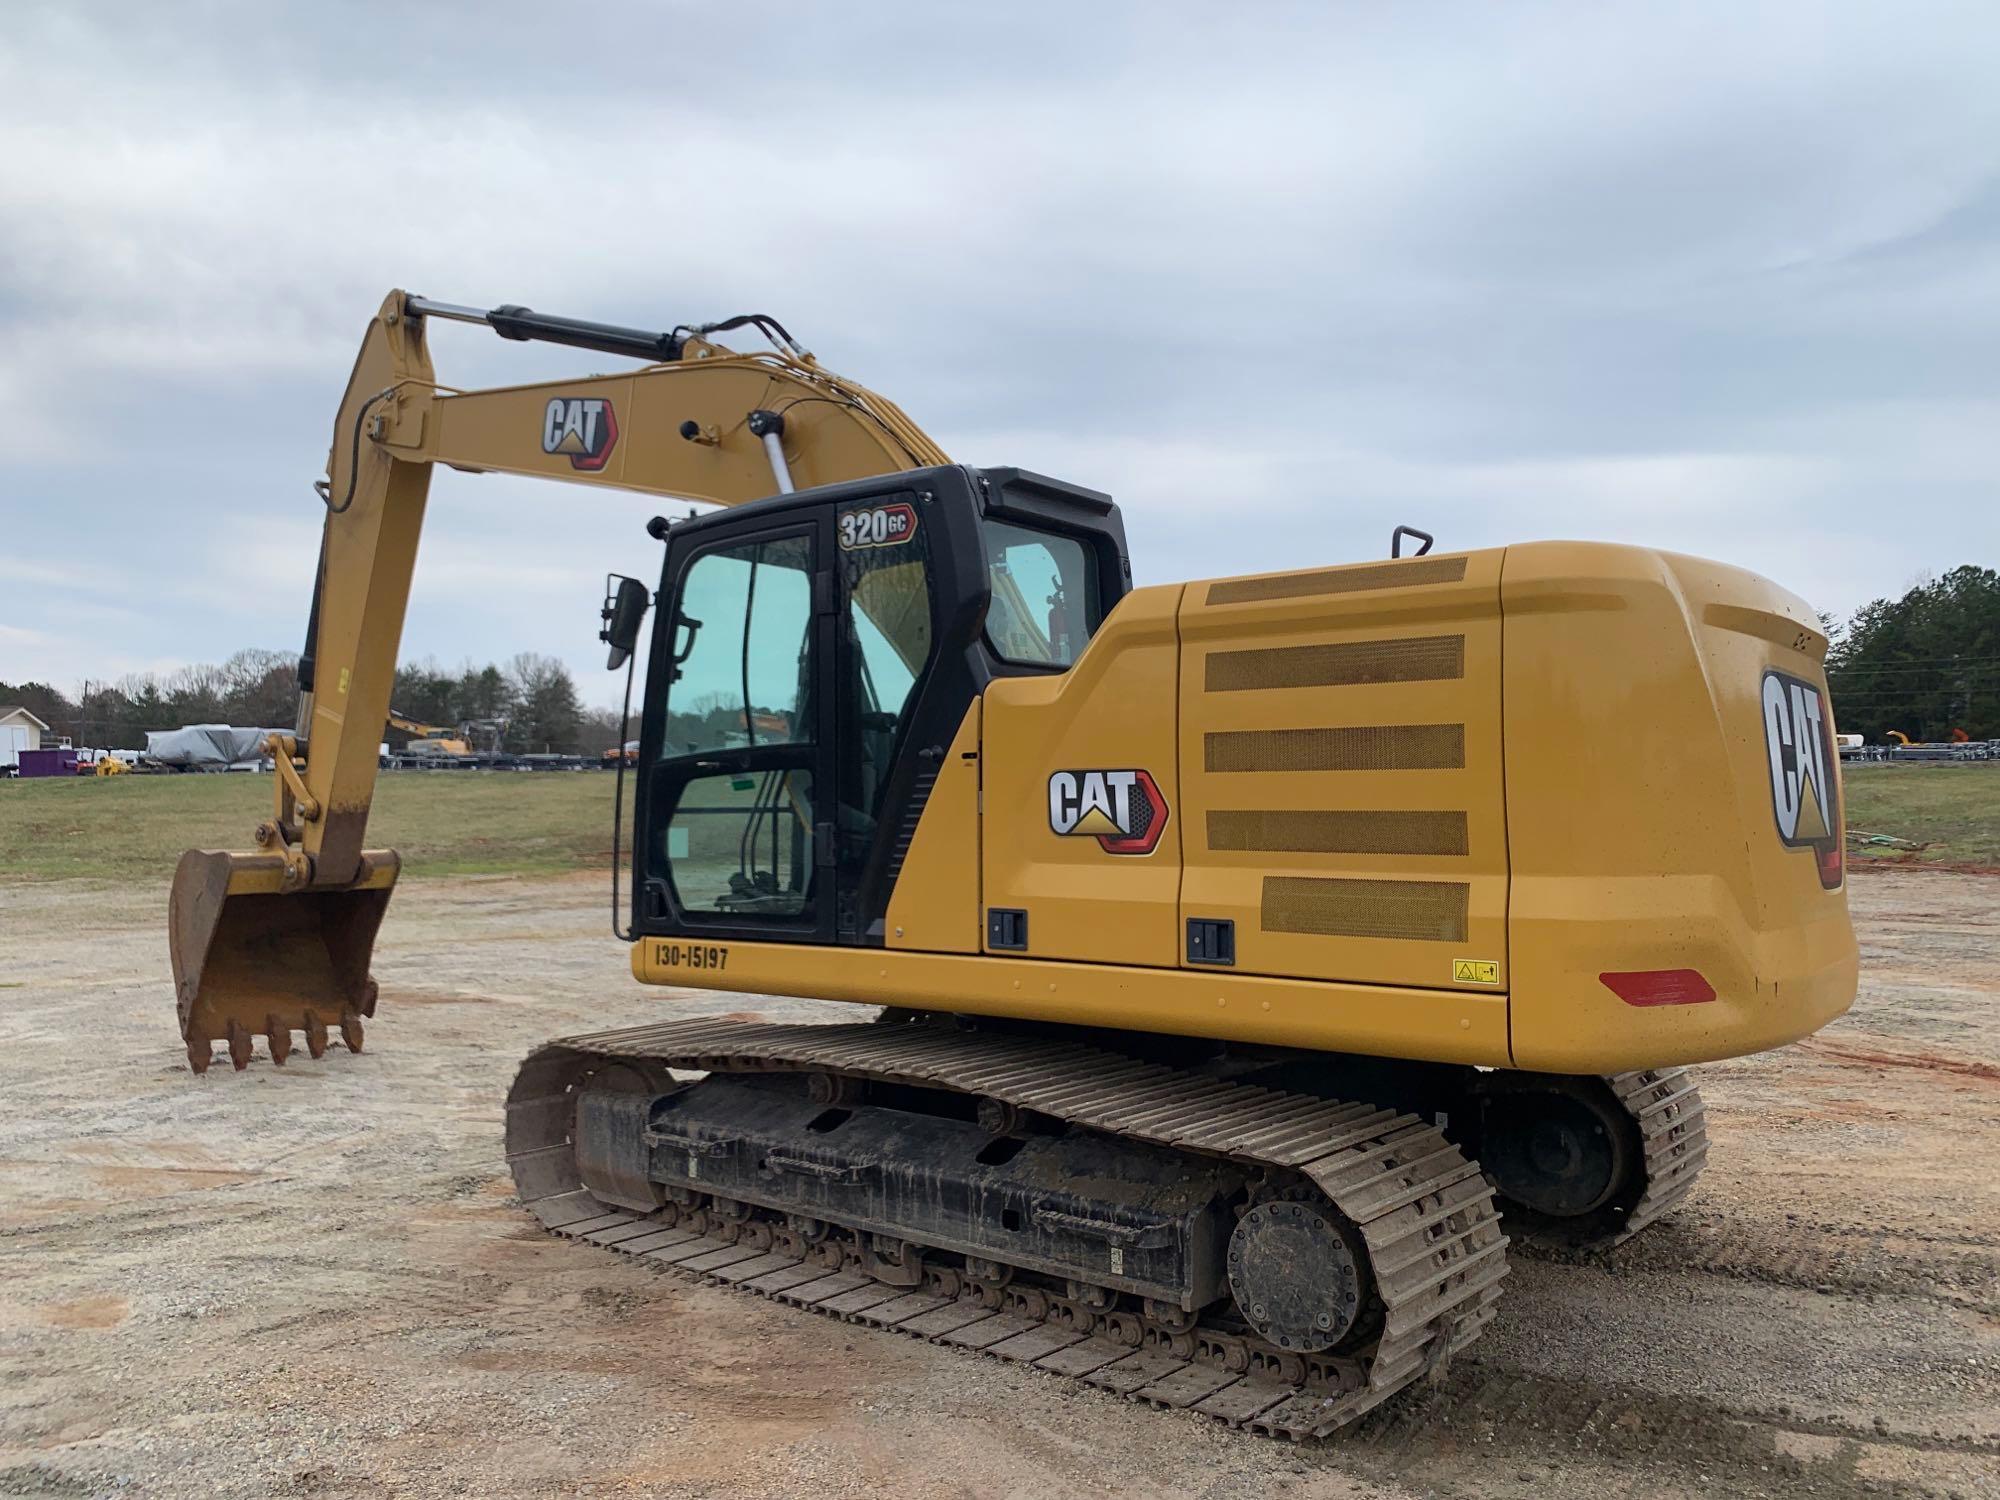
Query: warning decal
x,y
1475,971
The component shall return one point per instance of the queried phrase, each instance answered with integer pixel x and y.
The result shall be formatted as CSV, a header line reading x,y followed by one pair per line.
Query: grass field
x,y
444,823
472,823
1953,808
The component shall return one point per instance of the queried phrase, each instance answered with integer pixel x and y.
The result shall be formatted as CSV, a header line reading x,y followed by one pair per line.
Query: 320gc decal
x,y
878,526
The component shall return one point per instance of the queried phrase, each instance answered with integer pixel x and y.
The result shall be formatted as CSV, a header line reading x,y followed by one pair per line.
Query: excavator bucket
x,y
253,959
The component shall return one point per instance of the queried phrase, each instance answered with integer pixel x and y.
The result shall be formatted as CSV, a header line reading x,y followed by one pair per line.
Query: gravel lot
x,y
315,1282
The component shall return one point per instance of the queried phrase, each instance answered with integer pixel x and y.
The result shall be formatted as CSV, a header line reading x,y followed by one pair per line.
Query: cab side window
x,y
740,649
1045,603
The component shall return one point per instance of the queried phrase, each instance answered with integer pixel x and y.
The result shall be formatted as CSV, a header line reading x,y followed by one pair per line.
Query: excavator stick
x,y
252,958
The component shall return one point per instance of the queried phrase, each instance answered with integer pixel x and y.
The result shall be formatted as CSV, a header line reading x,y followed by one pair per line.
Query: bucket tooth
x,y
252,956
240,1044
200,1054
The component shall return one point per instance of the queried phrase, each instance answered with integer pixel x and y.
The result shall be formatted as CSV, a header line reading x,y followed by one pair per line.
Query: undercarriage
x,y
1180,1232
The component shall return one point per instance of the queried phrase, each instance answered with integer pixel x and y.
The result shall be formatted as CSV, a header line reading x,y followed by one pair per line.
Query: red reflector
x,y
1832,865
1660,987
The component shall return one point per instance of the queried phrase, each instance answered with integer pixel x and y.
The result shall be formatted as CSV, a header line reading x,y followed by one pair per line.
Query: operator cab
x,y
813,656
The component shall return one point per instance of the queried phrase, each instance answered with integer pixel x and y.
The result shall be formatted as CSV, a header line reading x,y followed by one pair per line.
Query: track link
x,y
1424,1212
1673,1134
1666,1125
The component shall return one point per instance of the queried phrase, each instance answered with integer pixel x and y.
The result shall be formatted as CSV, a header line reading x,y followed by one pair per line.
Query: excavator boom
x,y
278,941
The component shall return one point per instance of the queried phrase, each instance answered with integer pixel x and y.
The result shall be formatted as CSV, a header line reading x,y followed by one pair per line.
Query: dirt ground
x,y
315,1282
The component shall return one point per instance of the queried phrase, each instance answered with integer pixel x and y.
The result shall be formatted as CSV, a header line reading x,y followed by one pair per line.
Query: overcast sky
x,y
1719,278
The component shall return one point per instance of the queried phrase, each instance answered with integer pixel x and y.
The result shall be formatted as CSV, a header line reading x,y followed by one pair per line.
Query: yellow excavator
x,y
1244,949
441,742
443,739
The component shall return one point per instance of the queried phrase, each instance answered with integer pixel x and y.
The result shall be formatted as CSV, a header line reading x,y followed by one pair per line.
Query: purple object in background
x,y
48,763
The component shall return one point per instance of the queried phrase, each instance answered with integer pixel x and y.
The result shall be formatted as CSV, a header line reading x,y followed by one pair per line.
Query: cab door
x,y
735,814
887,748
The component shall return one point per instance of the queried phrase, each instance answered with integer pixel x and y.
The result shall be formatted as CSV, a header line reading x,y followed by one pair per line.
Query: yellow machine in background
x,y
445,741
1241,941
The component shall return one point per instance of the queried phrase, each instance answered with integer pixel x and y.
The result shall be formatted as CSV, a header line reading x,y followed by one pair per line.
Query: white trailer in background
x,y
19,730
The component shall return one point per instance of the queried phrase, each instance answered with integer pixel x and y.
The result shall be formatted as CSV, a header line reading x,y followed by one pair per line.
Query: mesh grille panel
x,y
1389,575
1420,658
1373,747
1341,832
1431,911
913,810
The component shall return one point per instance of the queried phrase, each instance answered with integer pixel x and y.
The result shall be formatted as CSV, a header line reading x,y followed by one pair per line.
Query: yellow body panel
x,y
1341,770
936,901
1593,712
1450,1026
1639,802
1115,708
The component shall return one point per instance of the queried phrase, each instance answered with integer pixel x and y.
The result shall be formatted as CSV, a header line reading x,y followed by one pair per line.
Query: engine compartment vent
x,y
1421,658
1321,831
1371,747
1351,580
1432,911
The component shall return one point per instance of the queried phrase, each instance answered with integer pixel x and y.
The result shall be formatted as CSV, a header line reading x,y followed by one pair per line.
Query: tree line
x,y
1927,663
532,702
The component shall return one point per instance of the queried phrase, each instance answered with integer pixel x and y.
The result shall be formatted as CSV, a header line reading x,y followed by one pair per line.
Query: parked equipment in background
x,y
1960,746
93,762
209,747
473,745
432,737
1225,930
49,761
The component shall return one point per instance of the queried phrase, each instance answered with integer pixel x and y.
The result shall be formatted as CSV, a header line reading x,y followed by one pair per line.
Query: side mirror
x,y
625,601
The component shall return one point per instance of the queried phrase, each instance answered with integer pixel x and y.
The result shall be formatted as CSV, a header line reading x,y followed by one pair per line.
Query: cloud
x,y
59,658
1280,277
28,570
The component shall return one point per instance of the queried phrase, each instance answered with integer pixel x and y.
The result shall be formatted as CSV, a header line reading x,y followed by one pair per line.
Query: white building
x,y
19,730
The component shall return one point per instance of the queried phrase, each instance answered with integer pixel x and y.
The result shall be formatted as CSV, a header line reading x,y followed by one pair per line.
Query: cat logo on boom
x,y
582,427
1122,810
1798,737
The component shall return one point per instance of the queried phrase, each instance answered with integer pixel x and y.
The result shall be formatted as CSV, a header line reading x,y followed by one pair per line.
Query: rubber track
x,y
1425,1213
